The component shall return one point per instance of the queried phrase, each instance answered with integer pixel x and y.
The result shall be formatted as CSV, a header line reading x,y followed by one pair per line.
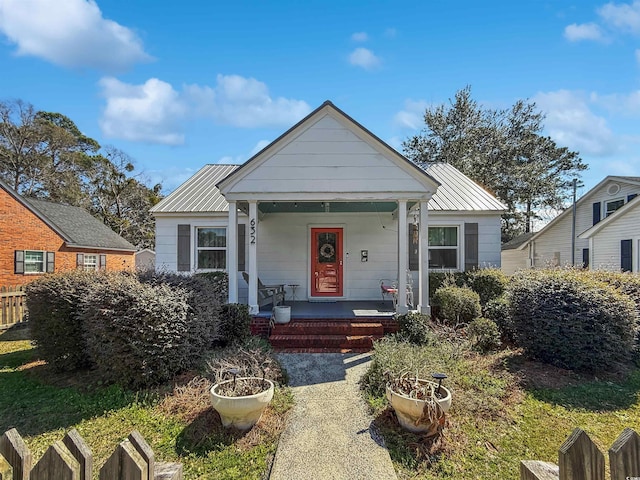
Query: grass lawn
x,y
504,410
178,422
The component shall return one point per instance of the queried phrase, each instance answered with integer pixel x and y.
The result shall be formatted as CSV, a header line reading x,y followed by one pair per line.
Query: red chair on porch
x,y
389,289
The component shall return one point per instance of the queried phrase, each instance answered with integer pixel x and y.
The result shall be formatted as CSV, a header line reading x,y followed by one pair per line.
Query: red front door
x,y
326,262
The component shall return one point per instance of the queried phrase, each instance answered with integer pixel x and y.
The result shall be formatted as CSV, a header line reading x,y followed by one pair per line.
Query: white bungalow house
x,y
329,210
607,232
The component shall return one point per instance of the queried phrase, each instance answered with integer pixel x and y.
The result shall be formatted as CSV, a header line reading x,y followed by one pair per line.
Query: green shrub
x,y
53,302
457,304
137,333
414,328
143,333
235,323
445,279
498,311
219,282
568,319
484,334
626,282
489,283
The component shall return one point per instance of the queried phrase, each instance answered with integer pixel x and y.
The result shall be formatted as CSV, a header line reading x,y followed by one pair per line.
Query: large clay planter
x,y
409,410
241,412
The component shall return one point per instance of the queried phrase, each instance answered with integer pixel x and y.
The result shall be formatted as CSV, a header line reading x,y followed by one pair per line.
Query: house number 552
x,y
252,233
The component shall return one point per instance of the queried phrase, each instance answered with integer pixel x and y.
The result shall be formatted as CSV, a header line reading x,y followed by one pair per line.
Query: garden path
x,y
329,434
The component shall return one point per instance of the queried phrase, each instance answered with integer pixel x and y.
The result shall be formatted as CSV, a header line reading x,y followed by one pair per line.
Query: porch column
x,y
423,259
403,253
253,257
232,250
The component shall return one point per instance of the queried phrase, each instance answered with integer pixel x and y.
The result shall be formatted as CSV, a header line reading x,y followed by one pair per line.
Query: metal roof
x,y
199,194
457,192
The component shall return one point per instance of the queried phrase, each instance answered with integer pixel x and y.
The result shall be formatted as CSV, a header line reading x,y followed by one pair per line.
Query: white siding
x,y
284,244
606,242
328,157
556,239
167,237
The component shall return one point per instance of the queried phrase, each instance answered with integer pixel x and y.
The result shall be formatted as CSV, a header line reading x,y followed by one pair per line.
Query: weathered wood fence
x,y
71,459
12,306
580,459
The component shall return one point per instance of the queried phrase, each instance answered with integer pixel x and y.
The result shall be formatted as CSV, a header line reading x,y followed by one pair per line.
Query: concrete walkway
x,y
329,434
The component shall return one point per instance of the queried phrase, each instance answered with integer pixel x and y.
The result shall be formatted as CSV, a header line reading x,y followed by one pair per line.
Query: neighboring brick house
x,y
38,237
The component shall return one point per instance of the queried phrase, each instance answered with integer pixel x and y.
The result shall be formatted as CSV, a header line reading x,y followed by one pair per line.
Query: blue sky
x,y
180,85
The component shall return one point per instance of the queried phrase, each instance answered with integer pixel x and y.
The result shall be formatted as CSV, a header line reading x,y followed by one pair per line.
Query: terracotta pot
x,y
410,410
241,412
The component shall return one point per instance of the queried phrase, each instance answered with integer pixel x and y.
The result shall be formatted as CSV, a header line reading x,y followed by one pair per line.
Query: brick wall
x,y
20,229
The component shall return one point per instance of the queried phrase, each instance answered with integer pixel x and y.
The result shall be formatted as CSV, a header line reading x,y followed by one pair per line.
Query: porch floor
x,y
335,310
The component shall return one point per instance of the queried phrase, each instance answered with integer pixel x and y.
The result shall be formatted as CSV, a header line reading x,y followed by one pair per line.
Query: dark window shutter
x,y
80,260
184,248
625,255
414,247
597,210
631,197
102,262
51,262
470,246
585,258
18,264
241,244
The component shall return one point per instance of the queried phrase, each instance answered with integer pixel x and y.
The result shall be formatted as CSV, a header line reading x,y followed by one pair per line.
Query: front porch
x,y
319,327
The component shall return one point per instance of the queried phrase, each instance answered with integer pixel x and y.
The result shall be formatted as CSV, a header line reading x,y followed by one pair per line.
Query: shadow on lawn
x,y
34,399
610,391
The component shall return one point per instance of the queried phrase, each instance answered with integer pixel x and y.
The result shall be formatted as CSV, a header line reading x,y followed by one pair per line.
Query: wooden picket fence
x,y
71,459
580,459
13,307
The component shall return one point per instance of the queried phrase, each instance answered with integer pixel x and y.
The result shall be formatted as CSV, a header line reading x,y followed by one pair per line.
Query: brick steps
x,y
324,335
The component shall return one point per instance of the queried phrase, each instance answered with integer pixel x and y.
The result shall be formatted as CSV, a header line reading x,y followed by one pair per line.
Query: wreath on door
x,y
327,250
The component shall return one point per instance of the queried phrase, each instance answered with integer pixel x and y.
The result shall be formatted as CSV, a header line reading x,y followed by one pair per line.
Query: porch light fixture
x,y
295,204
416,218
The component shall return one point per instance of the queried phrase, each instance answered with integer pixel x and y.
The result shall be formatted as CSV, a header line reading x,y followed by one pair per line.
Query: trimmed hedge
x,y
569,319
53,302
136,333
135,329
457,304
235,323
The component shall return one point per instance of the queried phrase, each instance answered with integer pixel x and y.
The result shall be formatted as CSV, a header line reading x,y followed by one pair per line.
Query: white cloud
x,y
150,112
623,16
390,32
585,31
571,123
360,37
155,111
365,58
71,33
628,104
244,102
412,116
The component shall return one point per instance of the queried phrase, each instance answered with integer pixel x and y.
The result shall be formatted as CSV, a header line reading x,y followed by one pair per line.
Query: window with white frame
x,y
613,205
444,247
211,248
90,262
34,262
